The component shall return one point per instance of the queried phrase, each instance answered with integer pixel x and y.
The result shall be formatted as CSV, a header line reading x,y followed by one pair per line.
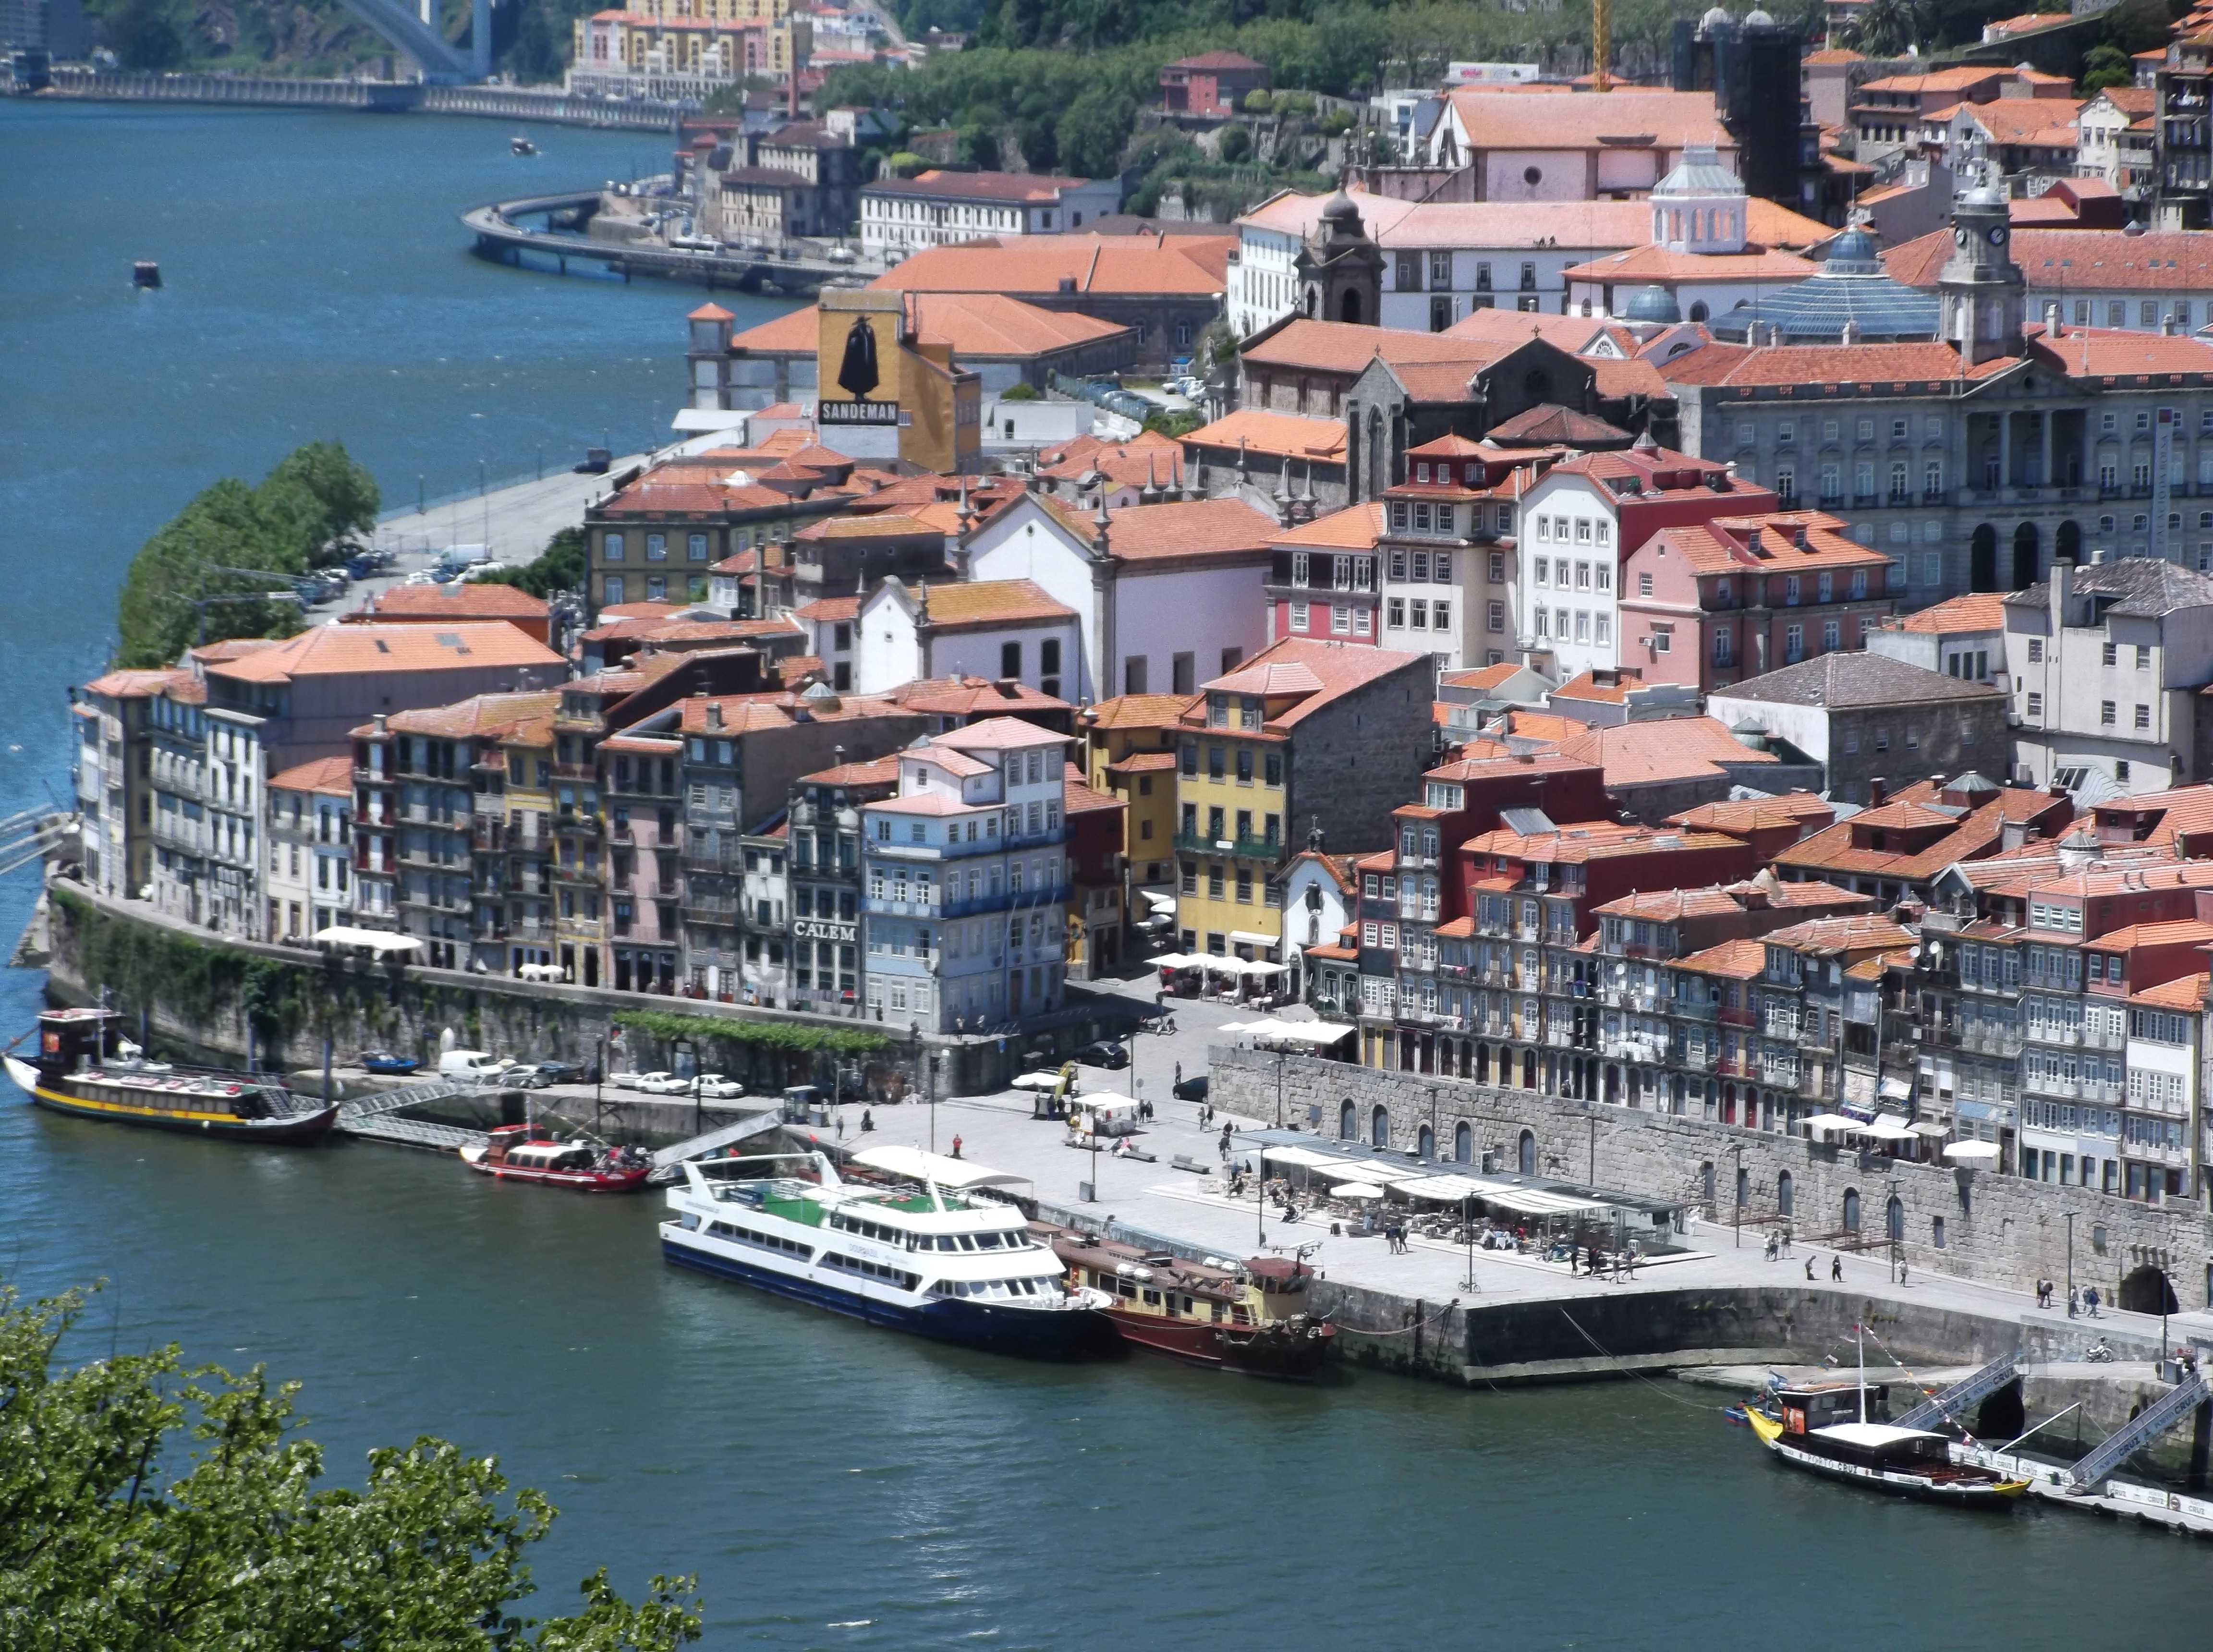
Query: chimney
x,y
1068,284
2169,327
1851,335
714,715
2062,585
2051,329
377,722
1878,791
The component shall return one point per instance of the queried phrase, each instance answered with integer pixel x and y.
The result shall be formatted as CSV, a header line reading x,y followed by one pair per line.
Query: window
x,y
695,548
1495,617
656,547
2035,650
2143,717
2036,705
2144,657
2106,714
611,548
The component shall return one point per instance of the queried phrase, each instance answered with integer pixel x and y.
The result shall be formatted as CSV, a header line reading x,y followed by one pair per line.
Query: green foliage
x,y
760,1034
1234,144
2104,66
146,968
1259,100
904,163
1335,123
1020,392
143,35
147,1507
266,995
1181,421
305,507
559,567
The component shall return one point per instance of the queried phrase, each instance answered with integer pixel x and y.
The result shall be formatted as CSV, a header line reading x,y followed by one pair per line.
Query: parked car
x,y
713,1087
632,1081
665,1084
1191,1089
384,1063
565,1072
1104,1052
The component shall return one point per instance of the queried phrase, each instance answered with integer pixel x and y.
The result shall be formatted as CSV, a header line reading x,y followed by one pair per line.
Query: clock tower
x,y
1983,295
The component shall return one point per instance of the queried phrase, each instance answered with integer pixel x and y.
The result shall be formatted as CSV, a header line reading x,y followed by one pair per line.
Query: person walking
x,y
2074,1302
1225,1144
956,1147
1179,1077
1773,1245
2090,1298
1837,1269
867,1121
1809,1267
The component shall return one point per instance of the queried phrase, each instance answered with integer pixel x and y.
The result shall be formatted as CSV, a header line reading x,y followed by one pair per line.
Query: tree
x,y
2106,65
114,1534
143,35
559,567
1234,144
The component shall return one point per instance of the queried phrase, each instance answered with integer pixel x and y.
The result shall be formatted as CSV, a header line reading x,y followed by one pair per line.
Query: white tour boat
x,y
953,1267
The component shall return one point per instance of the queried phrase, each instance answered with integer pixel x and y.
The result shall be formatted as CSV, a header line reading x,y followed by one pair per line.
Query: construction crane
x,y
1602,18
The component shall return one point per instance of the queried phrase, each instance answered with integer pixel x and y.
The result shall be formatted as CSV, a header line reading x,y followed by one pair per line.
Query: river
x,y
833,1487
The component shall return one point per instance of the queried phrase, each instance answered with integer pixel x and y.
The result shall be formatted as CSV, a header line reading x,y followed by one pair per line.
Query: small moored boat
x,y
520,145
1249,1318
83,1069
526,1152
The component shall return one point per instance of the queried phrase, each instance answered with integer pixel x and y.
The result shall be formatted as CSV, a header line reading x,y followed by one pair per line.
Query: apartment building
x,y
1305,731
113,772
2110,666
1006,630
1903,843
310,848
938,208
641,793
661,537
1098,910
1130,746
968,880
1962,638
823,880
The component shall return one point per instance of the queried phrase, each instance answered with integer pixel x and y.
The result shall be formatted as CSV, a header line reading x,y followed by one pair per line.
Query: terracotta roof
x,y
332,776
480,716
1591,840
1673,749
472,599
1144,763
827,610
1751,814
882,525
1481,677
1568,332
1138,711
1668,120
1290,667
1196,527
336,650
1855,932
2176,932
1292,434
978,325
1649,262
997,735
1356,527
962,697
1123,265
1941,80
2184,992
1977,611
1975,833
1549,423
138,685
1036,188
2153,261
1216,60
877,771
1740,960
1342,347
959,605
1741,364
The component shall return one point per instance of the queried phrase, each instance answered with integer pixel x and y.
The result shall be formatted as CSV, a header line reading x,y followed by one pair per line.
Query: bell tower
x,y
1339,269
1983,294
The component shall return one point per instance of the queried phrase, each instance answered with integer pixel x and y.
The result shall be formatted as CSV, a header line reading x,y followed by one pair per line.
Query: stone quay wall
x,y
1998,1229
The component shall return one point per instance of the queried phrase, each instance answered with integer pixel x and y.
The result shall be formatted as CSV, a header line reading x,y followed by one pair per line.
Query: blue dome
x,y
1651,304
1853,253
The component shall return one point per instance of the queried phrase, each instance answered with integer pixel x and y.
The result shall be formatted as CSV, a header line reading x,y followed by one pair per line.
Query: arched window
x,y
1894,1217
1851,1209
1463,1140
1699,312
1378,1127
1345,1130
1527,1156
1425,1143
1783,1192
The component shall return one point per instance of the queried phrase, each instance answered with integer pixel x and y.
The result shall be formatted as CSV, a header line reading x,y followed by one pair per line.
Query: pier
x,y
507,103
500,238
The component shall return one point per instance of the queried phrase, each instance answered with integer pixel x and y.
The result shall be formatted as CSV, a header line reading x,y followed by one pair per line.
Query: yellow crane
x,y
1600,44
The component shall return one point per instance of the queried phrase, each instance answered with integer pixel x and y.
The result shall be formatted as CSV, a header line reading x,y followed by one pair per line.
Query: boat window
x,y
1152,1297
1127,1289
987,1241
966,1243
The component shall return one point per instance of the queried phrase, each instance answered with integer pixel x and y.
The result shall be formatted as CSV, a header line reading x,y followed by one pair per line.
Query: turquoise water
x,y
833,1487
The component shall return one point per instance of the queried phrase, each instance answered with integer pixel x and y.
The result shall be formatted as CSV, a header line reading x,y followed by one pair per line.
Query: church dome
x,y
1715,18
1699,172
1655,304
1852,254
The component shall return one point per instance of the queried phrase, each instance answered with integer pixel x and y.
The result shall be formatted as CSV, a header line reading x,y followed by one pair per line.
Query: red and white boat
x,y
528,1153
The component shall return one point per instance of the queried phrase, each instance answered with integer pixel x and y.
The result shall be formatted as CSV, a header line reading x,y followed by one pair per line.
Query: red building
x,y
1213,83
1548,885
1732,598
1467,797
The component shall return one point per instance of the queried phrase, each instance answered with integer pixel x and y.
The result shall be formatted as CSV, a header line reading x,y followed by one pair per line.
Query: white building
x,y
1000,628
2109,665
1319,898
1166,596
1964,638
763,893
310,832
1570,146
965,879
899,215
2160,1130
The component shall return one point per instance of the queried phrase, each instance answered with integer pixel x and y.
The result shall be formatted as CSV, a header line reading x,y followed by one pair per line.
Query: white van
x,y
471,1064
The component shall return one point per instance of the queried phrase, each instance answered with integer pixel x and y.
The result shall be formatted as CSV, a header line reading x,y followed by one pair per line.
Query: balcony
x,y
1241,848
710,909
717,865
1935,495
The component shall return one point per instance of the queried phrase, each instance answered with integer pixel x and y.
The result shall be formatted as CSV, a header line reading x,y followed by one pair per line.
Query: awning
x,y
1356,1190
1269,1026
1935,1133
919,1166
1039,1080
1260,967
1832,1124
1378,1175
1891,1129
1897,1090
1248,938
1448,1189
707,418
345,935
1159,903
1534,1201
1303,1155
1971,1152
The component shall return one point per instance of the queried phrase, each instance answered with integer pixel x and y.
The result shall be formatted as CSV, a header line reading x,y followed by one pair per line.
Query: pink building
x,y
1213,83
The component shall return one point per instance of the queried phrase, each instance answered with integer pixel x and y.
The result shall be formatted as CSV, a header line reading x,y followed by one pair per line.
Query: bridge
x,y
505,103
503,240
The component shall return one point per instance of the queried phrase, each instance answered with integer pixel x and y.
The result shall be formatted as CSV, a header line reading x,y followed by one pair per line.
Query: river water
x,y
832,1486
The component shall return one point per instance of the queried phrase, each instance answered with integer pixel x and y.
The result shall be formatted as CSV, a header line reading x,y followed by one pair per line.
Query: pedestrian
x,y
1773,1245
1225,1143
1786,1238
1809,1268
841,1126
867,1121
1179,1077
1573,1251
956,1147
2074,1301
1901,1269
2090,1298
1837,1269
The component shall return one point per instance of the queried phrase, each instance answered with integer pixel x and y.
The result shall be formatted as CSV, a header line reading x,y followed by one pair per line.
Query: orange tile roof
x,y
1196,527
877,771
978,325
472,599
961,697
1356,527
1854,932
1741,364
883,525
2175,932
1481,676
1977,611
332,776
1666,120
1741,959
1288,435
324,650
1123,265
1650,263
1758,813
2184,992
828,609
974,604
1673,749
138,685
480,715
1138,711
2153,261
1333,668
1342,347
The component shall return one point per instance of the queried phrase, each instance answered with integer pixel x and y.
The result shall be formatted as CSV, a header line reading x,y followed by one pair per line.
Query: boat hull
x,y
1970,1494
1284,1351
122,1108
1034,1333
578,1181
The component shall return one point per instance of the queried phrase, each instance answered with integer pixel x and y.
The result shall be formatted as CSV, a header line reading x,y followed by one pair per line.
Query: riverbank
x,y
508,104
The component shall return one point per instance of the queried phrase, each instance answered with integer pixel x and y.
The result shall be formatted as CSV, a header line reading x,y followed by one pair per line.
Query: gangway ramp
x,y
422,1133
358,1109
668,1158
2156,1419
1962,1394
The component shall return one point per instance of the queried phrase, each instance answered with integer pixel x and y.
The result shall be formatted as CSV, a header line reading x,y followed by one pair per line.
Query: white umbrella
x,y
1356,1190
1971,1152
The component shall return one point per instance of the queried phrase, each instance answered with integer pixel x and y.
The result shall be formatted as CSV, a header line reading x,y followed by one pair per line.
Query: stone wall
x,y
1999,1229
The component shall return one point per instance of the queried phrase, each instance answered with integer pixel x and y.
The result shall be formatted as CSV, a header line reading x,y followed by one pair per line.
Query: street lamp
x,y
1737,1221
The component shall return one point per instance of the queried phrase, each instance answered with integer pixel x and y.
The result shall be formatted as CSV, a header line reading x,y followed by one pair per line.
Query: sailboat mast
x,y
1860,1333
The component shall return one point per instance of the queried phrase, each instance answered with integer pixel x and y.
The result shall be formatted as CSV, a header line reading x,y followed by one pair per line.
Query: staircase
x,y
1962,1394
2164,1413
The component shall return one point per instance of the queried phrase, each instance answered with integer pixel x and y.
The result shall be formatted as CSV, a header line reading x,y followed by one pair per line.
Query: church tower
x,y
1339,269
1983,294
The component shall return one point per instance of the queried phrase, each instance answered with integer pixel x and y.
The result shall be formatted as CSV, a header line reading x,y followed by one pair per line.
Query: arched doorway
x,y
1345,1130
1348,307
1529,1069
1983,559
1526,1154
1378,477
1378,1126
2067,542
2146,1290
1425,1142
1463,1140
1706,1182
2025,546
1894,1218
1785,1192
1851,1209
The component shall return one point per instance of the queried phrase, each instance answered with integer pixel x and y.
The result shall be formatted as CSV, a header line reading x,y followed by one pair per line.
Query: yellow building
x,y
886,390
1332,735
1130,753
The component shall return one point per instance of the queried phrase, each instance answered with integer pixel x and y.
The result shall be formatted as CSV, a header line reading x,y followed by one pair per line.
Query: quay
x,y
506,103
503,240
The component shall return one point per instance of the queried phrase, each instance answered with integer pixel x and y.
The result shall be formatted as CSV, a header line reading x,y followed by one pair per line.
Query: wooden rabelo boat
x,y
1249,1317
527,1153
